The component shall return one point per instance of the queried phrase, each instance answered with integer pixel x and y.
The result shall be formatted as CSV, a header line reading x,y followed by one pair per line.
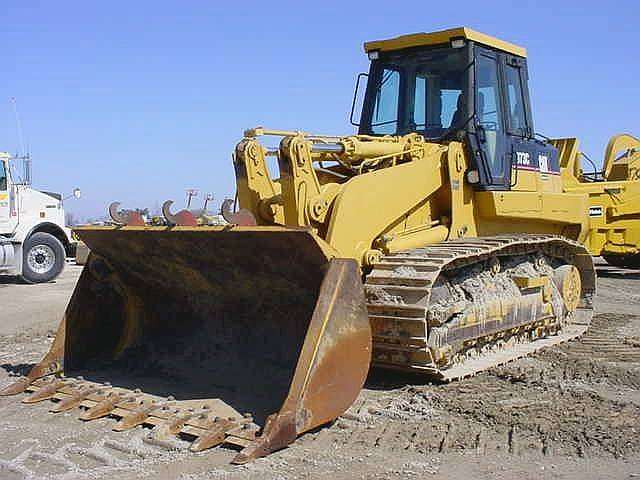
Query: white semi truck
x,y
34,240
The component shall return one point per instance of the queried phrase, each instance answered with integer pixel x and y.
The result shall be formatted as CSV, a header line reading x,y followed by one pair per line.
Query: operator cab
x,y
458,84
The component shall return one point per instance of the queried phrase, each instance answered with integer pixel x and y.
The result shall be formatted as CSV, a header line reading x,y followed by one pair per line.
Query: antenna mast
x,y
22,151
23,154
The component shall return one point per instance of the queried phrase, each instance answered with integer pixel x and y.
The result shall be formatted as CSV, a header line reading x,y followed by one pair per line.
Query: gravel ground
x,y
26,307
568,412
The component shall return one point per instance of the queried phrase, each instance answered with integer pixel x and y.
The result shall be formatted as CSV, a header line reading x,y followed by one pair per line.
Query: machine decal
x,y
546,162
523,159
595,211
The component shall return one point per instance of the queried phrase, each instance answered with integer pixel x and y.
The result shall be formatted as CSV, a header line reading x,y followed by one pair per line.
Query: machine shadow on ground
x,y
614,272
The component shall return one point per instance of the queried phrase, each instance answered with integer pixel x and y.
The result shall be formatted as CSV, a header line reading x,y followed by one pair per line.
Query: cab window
x,y
436,107
422,91
385,110
3,177
489,113
515,101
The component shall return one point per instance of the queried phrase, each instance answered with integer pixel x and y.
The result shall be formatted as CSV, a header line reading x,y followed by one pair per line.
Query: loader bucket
x,y
261,319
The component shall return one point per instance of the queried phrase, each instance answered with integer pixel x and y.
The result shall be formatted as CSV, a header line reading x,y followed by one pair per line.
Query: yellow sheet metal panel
x,y
623,151
368,204
441,37
524,282
563,207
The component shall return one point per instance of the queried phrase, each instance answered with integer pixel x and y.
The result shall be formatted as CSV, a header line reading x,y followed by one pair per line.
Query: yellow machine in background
x,y
614,197
444,238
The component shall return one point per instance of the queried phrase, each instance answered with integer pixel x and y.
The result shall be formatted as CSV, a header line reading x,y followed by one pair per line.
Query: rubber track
x,y
410,276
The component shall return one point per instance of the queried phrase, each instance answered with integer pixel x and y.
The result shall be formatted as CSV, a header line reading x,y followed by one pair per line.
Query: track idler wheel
x,y
567,279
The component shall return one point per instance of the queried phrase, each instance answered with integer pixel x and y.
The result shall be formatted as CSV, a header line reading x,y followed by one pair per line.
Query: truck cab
x,y
34,241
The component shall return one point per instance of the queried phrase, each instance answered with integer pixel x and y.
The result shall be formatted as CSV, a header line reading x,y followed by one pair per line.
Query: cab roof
x,y
442,37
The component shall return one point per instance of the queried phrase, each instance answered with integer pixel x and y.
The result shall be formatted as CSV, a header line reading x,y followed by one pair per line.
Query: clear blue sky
x,y
137,100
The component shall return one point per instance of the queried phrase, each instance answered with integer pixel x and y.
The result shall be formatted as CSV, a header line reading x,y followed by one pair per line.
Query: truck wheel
x,y
43,258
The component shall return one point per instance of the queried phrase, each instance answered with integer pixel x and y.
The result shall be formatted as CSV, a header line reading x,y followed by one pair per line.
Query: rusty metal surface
x,y
124,217
332,366
242,217
103,406
206,332
208,422
183,218
76,397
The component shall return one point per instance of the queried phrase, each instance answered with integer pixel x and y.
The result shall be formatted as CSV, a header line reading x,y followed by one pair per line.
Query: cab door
x,y
5,208
490,122
535,162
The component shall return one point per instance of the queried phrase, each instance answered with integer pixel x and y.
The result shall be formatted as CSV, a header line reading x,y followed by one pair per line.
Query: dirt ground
x,y
568,412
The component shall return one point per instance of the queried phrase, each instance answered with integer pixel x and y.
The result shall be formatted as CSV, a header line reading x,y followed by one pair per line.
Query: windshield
x,y
422,92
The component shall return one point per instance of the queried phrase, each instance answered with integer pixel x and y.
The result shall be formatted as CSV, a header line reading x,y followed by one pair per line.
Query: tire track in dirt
x,y
546,404
101,459
574,399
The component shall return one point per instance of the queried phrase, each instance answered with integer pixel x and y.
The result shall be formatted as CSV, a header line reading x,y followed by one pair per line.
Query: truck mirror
x,y
77,193
26,170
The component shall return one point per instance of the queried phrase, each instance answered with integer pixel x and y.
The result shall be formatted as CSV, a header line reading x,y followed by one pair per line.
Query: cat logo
x,y
543,163
595,211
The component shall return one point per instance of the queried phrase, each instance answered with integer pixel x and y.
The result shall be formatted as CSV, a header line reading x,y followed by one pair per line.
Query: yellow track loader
x,y
444,238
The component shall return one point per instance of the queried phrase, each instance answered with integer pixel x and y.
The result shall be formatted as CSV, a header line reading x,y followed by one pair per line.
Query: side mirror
x,y
76,193
355,99
26,170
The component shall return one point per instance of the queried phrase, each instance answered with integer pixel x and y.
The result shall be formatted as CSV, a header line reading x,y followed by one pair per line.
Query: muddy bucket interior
x,y
259,318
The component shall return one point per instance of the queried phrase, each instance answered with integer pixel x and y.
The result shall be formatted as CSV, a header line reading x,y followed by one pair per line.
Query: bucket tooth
x,y
243,435
211,439
140,415
278,432
215,434
104,407
16,387
131,420
75,400
51,364
45,392
172,426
